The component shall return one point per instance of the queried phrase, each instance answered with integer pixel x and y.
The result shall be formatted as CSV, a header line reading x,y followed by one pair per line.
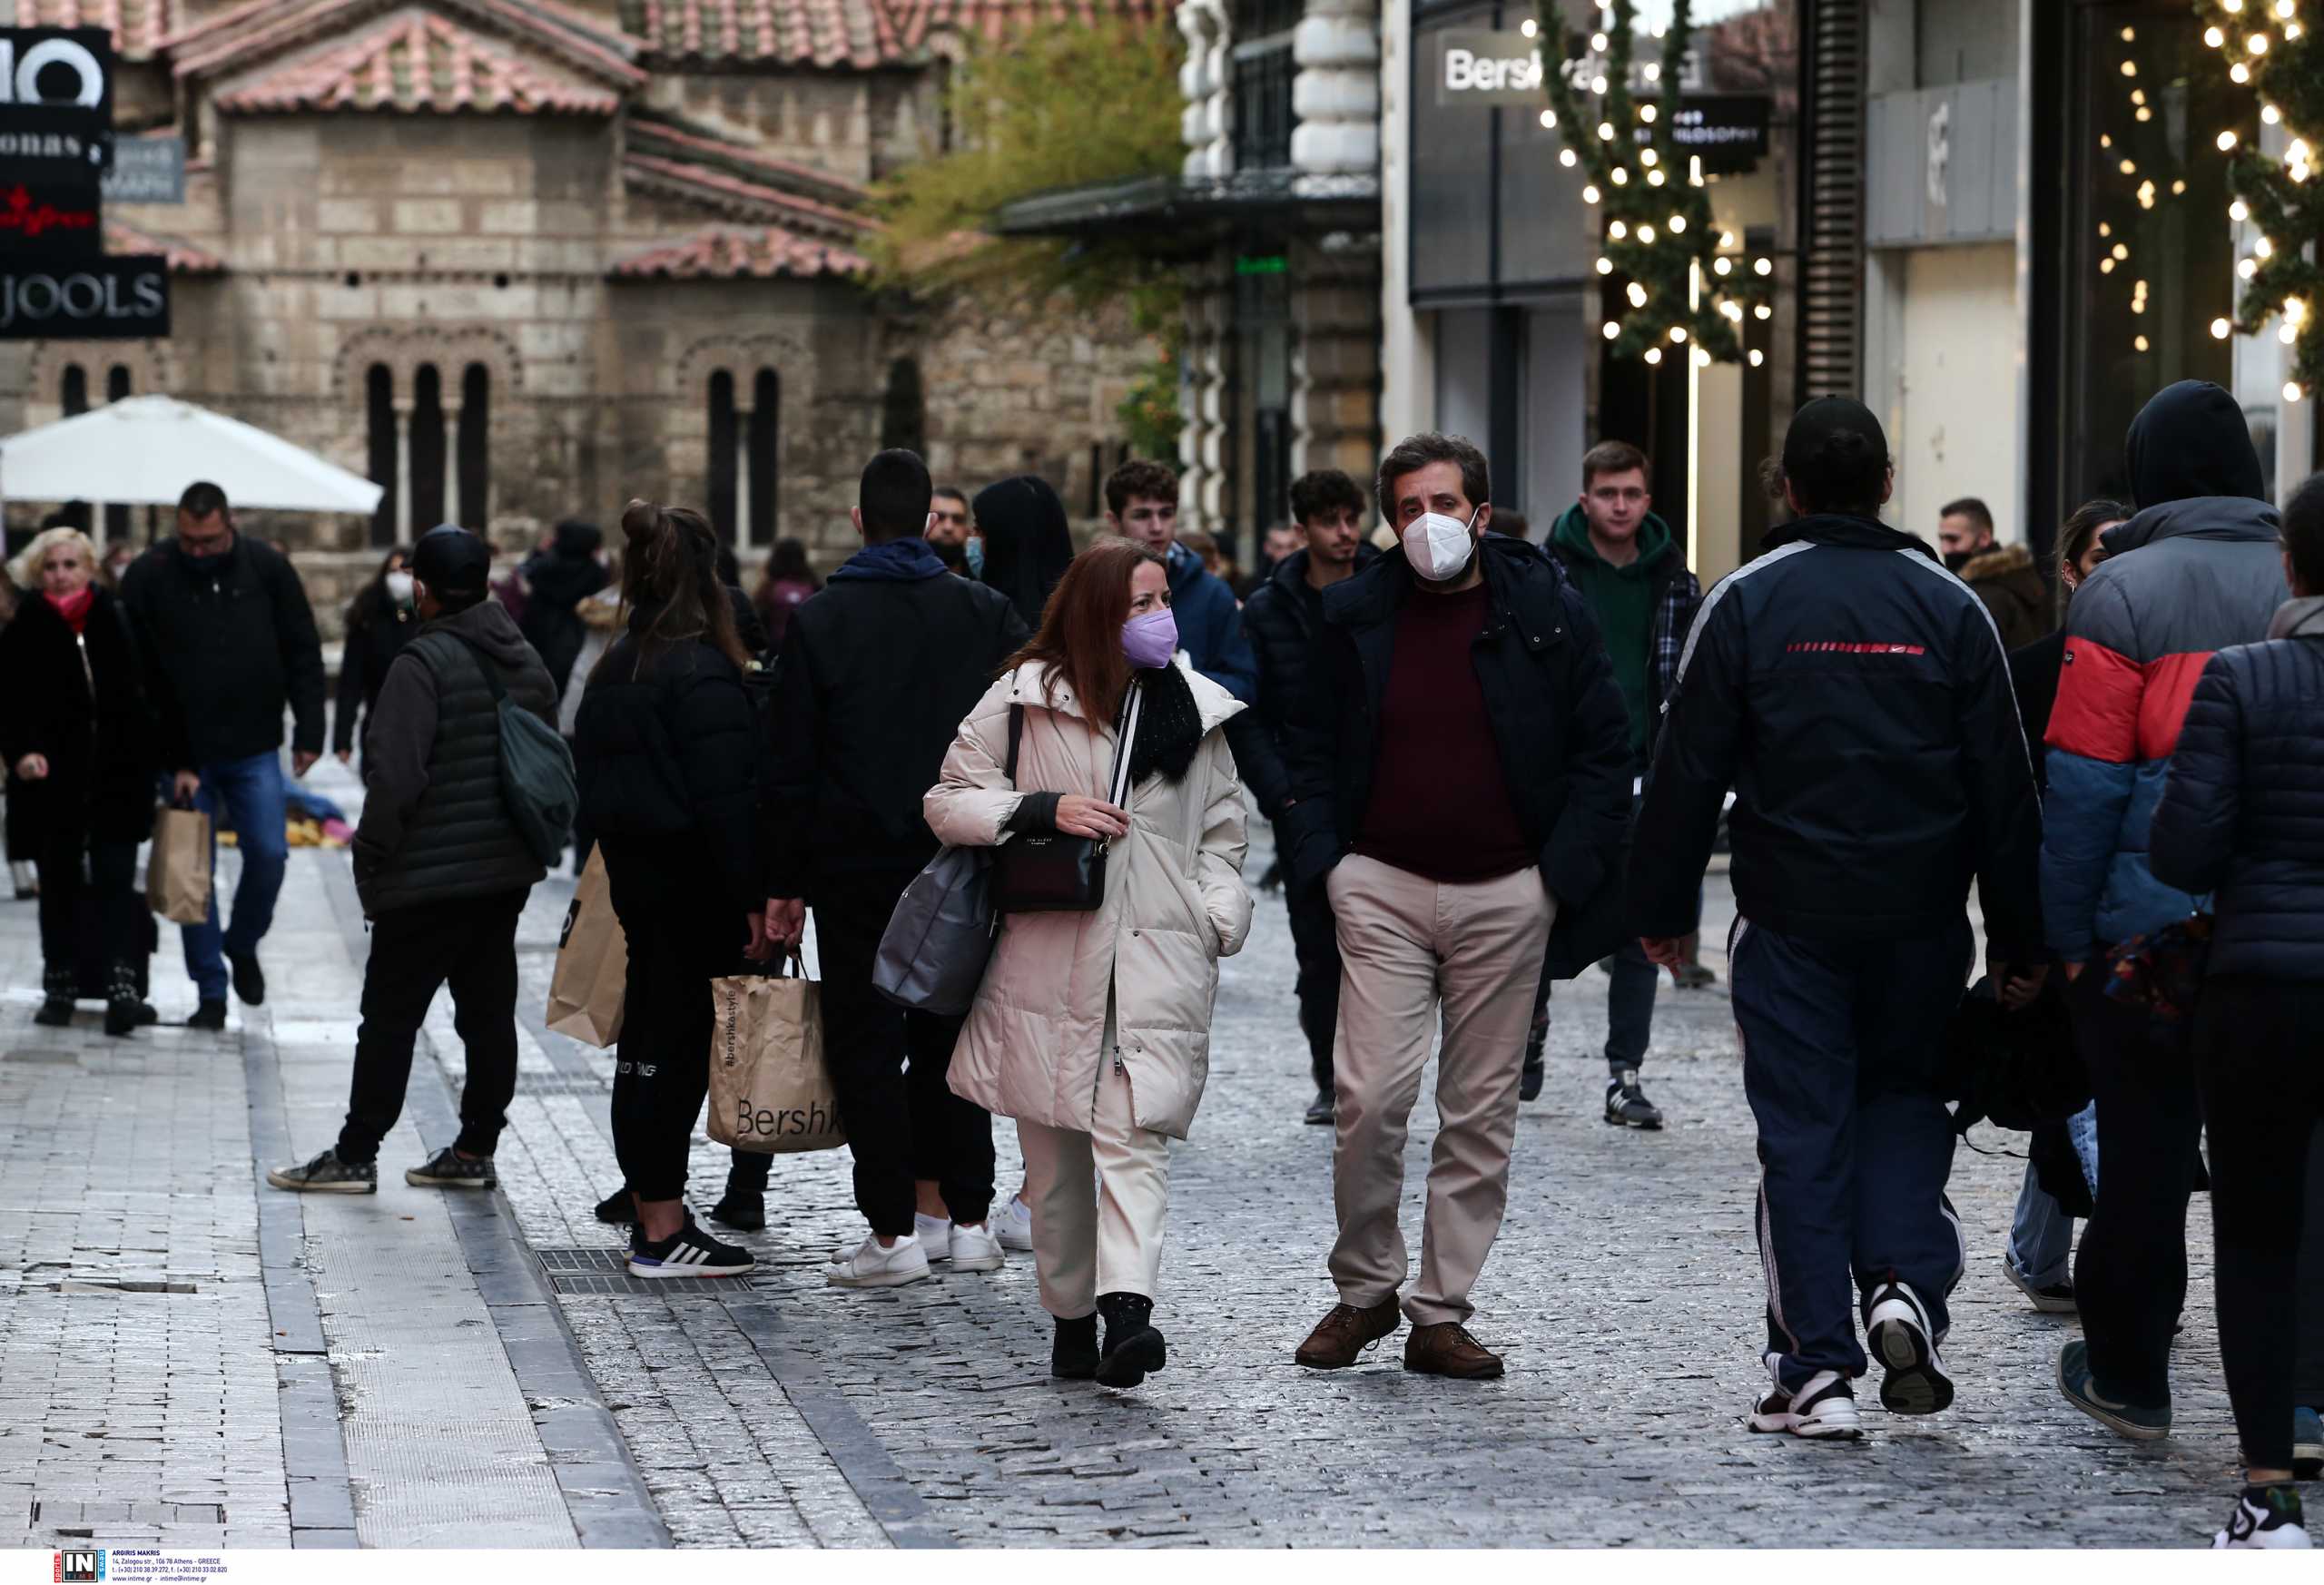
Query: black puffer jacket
x,y
435,823
1558,724
102,759
235,638
1281,619
2242,809
667,748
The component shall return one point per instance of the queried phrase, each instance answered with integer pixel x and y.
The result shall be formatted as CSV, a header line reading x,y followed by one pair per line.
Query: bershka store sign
x,y
123,299
55,103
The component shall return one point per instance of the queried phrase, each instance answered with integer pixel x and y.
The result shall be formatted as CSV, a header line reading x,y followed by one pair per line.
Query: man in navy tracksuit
x,y
1856,696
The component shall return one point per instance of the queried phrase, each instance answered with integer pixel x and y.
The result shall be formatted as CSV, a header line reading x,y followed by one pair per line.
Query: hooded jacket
x,y
2206,574
558,580
1855,695
377,630
235,638
1280,620
2011,586
877,671
2241,814
1558,727
1174,903
436,825
1026,545
1674,595
1210,627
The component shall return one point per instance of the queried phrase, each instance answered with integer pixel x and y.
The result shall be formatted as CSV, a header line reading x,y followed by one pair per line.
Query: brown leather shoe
x,y
1446,1349
1344,1333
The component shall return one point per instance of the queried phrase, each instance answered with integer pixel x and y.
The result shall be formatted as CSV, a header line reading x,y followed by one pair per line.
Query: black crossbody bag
x,y
1054,872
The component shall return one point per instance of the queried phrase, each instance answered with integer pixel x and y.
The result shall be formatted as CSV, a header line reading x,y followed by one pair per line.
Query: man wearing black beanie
x,y
1855,695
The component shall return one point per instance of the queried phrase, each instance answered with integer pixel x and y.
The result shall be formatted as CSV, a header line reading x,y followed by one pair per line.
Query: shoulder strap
x,y
483,663
1123,742
1016,731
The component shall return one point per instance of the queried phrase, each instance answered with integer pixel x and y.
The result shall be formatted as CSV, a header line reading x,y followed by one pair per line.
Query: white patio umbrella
x,y
144,450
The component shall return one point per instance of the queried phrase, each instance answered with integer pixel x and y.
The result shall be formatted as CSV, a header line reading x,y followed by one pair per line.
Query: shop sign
x,y
1480,66
120,299
147,170
55,102
1728,131
35,218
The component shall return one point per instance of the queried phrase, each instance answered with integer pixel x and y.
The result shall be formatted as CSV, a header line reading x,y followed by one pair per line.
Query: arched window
x,y
73,390
476,448
767,413
903,415
722,482
427,503
379,430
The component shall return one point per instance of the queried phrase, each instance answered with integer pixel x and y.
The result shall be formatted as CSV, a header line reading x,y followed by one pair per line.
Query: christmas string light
x,y
2273,194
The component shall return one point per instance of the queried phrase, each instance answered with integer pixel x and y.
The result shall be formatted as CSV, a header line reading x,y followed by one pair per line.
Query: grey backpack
x,y
535,768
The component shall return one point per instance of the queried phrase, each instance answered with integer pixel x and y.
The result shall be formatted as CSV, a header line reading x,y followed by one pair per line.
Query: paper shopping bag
x,y
769,1090
177,875
586,990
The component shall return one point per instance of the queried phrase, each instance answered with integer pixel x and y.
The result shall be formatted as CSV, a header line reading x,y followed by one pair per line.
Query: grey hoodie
x,y
434,826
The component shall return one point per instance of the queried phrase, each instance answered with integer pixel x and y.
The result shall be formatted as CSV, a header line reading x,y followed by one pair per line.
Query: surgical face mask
x,y
974,551
1150,640
400,587
1439,546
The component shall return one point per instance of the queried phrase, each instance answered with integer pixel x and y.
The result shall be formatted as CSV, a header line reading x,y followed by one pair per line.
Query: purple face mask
x,y
1150,640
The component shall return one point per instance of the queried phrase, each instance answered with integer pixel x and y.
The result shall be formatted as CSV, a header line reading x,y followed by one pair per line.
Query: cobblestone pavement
x,y
1625,1294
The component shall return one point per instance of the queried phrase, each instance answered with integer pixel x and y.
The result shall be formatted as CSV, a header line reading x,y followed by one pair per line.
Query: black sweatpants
x,y
113,872
470,944
2263,1092
1316,941
2130,1276
680,936
901,1127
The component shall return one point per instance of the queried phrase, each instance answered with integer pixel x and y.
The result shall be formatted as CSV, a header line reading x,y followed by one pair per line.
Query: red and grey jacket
x,y
2207,574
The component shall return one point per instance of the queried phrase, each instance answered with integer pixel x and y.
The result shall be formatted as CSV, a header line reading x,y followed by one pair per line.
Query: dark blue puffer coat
x,y
2243,810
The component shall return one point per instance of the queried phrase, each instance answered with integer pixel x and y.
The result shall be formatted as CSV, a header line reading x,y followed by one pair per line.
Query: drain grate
x,y
597,1270
561,1084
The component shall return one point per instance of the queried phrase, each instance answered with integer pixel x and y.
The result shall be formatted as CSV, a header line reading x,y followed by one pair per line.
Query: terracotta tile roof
x,y
649,136
246,35
995,21
185,259
821,32
722,254
419,61
744,200
138,26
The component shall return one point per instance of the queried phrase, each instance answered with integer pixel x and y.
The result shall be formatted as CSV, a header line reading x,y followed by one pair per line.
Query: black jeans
x,y
470,944
2263,1092
2130,1276
1316,941
113,873
899,1126
1629,1005
681,937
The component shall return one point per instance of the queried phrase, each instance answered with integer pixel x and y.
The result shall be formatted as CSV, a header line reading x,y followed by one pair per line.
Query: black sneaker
x,y
327,1175
448,1169
740,1209
689,1252
617,1208
1529,1082
210,1015
1627,1105
2266,1519
250,980
1897,1329
1325,1109
57,1003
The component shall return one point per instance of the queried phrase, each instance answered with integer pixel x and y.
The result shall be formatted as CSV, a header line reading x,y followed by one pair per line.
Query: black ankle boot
x,y
1133,1347
57,986
1073,1352
122,1002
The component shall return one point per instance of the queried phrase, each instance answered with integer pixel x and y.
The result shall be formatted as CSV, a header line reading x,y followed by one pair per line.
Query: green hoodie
x,y
1622,599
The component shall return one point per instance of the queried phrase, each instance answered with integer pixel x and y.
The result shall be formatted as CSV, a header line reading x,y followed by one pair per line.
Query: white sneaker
x,y
1013,1224
867,1265
935,1236
1897,1329
976,1249
1824,1409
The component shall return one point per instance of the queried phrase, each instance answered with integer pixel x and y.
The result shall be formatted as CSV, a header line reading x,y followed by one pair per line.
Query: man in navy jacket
x,y
1142,504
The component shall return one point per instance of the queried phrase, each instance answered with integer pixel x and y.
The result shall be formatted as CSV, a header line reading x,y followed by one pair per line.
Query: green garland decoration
x,y
1658,226
2282,197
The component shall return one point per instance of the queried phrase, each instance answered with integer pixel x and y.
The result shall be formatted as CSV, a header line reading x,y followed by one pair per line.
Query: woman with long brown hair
x,y
1092,1028
666,749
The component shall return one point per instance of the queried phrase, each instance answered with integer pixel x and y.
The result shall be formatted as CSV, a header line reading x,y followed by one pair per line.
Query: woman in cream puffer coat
x,y
1092,1029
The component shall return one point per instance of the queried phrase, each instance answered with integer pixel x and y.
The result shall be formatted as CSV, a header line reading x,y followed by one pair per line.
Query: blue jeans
x,y
2040,1235
251,792
1842,1051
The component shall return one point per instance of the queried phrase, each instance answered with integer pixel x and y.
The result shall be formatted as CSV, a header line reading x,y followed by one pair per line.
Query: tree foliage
x,y
2283,197
1070,103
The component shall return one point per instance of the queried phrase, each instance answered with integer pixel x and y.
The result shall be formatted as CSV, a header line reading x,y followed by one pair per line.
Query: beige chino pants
x,y
1109,1239
1416,951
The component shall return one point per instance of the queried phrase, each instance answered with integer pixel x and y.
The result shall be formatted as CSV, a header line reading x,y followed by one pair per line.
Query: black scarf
x,y
1170,726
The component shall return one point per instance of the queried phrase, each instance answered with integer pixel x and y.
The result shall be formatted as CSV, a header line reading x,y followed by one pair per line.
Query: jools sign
x,y
123,299
55,103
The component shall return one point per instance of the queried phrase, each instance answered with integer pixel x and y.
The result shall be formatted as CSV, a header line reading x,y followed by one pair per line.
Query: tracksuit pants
x,y
1842,1052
